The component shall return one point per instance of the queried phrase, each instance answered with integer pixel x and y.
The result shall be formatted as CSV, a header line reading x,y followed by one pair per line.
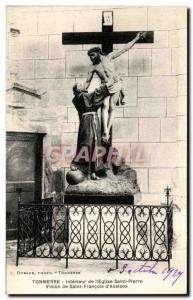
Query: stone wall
x,y
152,124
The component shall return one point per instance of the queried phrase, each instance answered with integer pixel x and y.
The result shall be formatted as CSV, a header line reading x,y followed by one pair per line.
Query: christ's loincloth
x,y
116,87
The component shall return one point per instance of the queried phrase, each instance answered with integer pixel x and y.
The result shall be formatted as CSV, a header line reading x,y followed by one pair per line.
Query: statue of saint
x,y
103,66
87,160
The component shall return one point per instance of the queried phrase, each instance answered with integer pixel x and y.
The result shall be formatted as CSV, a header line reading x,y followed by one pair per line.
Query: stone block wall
x,y
151,127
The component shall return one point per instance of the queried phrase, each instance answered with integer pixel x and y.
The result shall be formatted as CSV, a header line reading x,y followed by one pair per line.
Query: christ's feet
x,y
105,138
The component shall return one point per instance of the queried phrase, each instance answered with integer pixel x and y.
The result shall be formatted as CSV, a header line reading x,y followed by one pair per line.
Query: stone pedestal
x,y
98,199
120,188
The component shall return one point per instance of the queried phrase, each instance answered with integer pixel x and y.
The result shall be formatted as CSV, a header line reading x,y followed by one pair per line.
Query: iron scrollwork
x,y
113,232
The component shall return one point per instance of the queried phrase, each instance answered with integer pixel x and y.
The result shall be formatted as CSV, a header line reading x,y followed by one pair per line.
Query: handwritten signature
x,y
165,273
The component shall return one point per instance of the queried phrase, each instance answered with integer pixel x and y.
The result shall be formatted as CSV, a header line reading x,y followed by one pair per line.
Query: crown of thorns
x,y
96,50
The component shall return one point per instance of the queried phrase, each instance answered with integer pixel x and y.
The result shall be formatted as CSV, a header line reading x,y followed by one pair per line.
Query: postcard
x,y
96,150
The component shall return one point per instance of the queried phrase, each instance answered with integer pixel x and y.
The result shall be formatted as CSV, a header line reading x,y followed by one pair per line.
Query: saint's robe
x,y
88,158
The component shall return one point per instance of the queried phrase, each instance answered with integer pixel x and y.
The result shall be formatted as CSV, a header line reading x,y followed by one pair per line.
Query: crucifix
x,y
106,38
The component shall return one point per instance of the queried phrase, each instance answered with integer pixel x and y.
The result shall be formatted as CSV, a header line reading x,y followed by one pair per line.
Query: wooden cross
x,y
106,38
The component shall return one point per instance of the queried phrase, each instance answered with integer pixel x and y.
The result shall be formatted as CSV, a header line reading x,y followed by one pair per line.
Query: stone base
x,y
120,188
98,199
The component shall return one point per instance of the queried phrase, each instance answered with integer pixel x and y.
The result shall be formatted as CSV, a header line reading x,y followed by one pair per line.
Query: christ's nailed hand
x,y
141,35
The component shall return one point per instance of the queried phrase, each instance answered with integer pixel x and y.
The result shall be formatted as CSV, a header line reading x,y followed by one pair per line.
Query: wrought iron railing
x,y
111,232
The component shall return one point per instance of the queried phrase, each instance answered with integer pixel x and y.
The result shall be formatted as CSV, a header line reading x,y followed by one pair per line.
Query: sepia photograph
x,y
96,150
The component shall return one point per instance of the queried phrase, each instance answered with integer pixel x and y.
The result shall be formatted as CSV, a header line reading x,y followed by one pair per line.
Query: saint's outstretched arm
x,y
88,80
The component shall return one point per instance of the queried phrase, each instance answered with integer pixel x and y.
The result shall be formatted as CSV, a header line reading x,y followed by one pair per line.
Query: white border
x,y
3,3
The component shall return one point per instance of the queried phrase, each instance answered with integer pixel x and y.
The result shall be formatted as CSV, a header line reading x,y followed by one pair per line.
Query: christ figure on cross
x,y
103,66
